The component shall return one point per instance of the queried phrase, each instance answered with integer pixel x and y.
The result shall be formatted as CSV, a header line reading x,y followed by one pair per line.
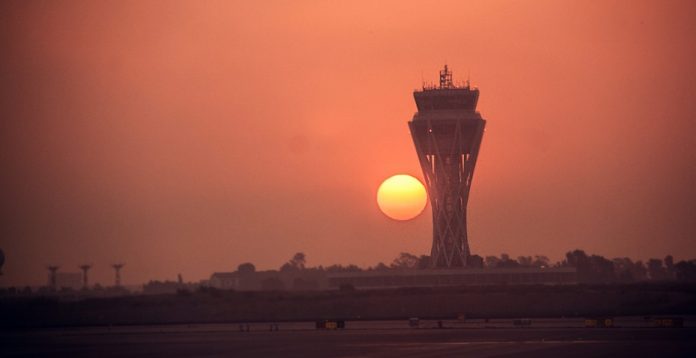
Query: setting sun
x,y
401,197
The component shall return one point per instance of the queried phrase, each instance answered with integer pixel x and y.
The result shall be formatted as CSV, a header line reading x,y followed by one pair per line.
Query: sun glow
x,y
401,197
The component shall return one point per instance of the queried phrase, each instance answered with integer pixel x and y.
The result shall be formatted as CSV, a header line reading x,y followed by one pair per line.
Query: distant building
x,y
306,279
68,280
312,279
452,277
165,287
224,280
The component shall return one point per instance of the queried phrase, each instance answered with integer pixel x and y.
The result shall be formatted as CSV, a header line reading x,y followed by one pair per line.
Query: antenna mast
x,y
446,78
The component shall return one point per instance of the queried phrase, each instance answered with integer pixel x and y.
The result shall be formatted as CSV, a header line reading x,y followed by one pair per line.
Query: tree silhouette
x,y
297,262
405,261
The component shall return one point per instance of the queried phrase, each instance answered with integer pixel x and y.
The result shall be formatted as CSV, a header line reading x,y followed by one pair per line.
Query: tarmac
x,y
629,337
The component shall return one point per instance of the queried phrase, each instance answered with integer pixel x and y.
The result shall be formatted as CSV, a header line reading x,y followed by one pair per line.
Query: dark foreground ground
x,y
544,338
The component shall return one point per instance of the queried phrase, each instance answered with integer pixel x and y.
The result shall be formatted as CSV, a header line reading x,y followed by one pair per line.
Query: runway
x,y
360,339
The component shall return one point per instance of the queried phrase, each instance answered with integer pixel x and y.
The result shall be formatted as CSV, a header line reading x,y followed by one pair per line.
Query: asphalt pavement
x,y
542,338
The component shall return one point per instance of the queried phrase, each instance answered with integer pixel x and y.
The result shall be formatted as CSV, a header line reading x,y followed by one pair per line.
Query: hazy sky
x,y
188,137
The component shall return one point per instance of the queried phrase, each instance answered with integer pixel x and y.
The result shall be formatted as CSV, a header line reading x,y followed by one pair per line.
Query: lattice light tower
x,y
85,281
447,133
117,270
52,273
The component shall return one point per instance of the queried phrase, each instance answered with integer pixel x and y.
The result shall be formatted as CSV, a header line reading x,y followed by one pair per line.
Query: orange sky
x,y
188,137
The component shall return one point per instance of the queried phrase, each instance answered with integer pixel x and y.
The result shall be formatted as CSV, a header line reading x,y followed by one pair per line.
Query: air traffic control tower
x,y
447,133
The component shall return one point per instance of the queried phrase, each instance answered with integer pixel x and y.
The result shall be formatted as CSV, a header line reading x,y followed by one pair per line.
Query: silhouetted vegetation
x,y
618,286
297,262
591,268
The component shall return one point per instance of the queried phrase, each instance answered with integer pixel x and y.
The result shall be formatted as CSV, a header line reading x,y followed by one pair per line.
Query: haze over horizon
x,y
189,137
